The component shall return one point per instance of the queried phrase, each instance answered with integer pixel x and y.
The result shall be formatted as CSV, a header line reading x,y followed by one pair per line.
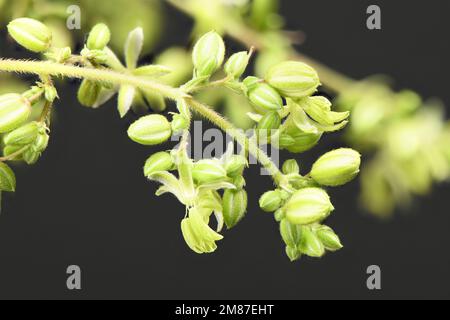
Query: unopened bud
x,y
31,156
234,206
337,167
150,130
14,110
23,135
270,201
307,206
235,165
293,253
41,142
291,234
179,123
236,64
263,97
329,239
160,161
209,170
30,34
270,121
208,54
98,37
311,244
293,79
291,167
88,92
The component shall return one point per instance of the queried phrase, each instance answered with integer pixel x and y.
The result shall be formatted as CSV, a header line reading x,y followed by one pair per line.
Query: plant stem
x,y
102,75
55,69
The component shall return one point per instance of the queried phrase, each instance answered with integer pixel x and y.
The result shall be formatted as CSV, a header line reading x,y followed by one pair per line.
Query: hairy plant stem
x,y
41,68
240,32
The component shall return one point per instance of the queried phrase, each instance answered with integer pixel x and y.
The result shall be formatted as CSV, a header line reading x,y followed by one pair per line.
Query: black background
x,y
87,203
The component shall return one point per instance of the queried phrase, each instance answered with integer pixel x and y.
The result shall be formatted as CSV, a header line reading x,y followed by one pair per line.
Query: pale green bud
x,y
208,54
270,201
160,161
31,156
236,64
239,182
150,130
307,206
263,97
291,167
329,239
88,92
30,34
293,79
291,234
50,93
293,253
98,37
14,110
24,135
270,121
304,141
7,178
311,244
41,142
234,206
179,123
11,149
208,170
286,141
235,165
337,167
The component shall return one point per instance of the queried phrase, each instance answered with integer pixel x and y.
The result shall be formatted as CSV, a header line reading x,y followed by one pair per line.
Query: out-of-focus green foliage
x,y
407,138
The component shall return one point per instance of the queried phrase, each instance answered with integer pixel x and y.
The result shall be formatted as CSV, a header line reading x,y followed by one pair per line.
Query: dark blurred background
x,y
87,203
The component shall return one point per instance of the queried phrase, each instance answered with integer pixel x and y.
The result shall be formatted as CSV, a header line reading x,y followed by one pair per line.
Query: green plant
x,y
286,114
405,139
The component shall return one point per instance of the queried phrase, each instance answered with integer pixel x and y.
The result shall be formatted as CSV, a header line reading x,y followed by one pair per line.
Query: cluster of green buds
x,y
408,138
301,210
286,109
25,117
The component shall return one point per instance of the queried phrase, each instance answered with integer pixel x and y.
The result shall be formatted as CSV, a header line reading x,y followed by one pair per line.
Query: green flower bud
x,y
337,167
50,93
208,170
14,110
291,234
270,201
293,253
30,34
88,92
11,149
293,79
329,239
179,123
311,244
286,141
251,82
234,206
235,165
208,54
98,37
150,130
270,121
264,98
291,167
41,142
236,64
160,161
24,135
307,206
304,141
7,178
31,156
